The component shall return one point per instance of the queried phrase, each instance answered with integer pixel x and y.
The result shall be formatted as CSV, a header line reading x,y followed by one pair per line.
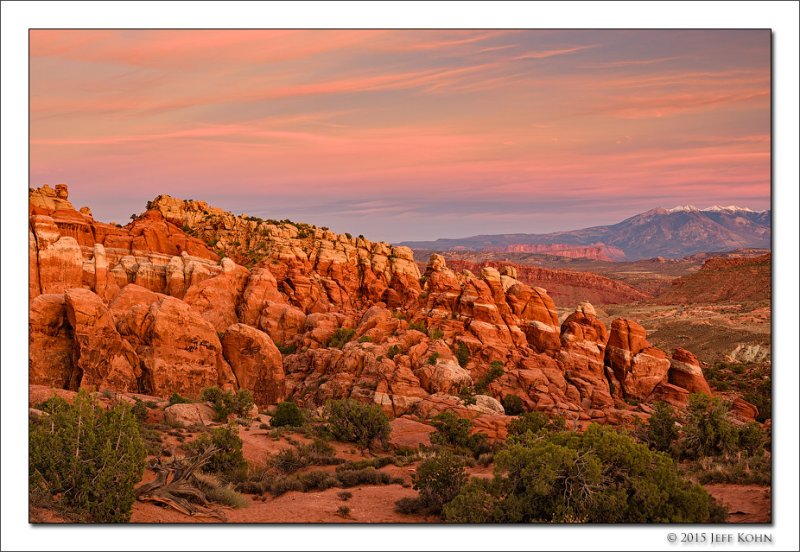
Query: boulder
x,y
179,350
744,410
102,357
685,371
446,376
670,394
189,413
256,362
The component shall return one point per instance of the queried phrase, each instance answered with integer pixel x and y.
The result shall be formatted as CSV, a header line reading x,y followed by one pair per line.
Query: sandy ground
x,y
746,503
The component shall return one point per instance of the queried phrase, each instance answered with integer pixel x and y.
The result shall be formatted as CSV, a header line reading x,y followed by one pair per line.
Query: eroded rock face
x,y
685,371
638,366
59,259
582,353
256,363
51,342
179,350
103,359
216,298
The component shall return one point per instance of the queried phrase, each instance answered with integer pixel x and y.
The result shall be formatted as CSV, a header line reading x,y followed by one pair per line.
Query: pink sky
x,y
403,135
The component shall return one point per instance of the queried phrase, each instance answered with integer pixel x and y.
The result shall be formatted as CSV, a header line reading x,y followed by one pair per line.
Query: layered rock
x,y
685,371
582,354
638,366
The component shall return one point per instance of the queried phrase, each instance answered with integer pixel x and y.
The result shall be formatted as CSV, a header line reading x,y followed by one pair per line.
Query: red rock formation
x,y
729,280
685,371
583,344
179,350
51,342
103,358
177,320
216,298
638,366
600,252
566,287
256,363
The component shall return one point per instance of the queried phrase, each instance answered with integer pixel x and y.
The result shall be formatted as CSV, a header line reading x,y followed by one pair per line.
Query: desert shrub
x,y
739,369
351,421
462,355
90,457
287,414
175,398
529,421
761,398
599,476
343,511
152,439
288,461
409,505
287,349
345,495
738,469
227,496
226,403
707,430
751,438
495,371
375,463
366,476
139,409
478,444
436,333
229,458
365,339
512,404
340,337
393,351
451,430
418,326
433,358
467,395
485,459
662,431
439,480
280,485
318,481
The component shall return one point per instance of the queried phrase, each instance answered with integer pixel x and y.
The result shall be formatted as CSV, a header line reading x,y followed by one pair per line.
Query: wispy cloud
x,y
550,53
388,133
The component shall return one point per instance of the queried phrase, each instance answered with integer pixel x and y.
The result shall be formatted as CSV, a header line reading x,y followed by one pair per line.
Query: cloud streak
x,y
400,131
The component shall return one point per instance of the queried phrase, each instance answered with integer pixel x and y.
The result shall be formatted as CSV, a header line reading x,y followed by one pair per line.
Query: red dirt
x,y
746,503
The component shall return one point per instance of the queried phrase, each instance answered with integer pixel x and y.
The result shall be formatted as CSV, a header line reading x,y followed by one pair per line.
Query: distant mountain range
x,y
671,233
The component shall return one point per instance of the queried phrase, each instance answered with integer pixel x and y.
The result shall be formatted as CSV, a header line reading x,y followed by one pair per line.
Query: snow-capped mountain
x,y
672,233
